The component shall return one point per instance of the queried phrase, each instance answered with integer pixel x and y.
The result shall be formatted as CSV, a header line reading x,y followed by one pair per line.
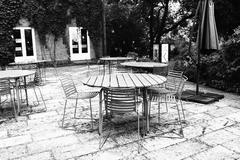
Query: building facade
x,y
76,47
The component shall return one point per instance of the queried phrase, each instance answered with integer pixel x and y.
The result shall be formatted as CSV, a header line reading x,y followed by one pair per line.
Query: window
x,y
84,41
79,43
28,41
25,44
18,41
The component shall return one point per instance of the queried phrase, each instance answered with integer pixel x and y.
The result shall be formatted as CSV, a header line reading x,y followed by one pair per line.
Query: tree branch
x,y
174,26
158,21
163,21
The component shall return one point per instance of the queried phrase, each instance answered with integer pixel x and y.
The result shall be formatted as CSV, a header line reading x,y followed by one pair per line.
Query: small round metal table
x,y
145,65
16,75
39,65
112,59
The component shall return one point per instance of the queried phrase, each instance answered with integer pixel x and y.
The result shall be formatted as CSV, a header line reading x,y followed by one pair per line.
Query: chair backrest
x,y
120,100
37,77
181,86
4,87
68,85
174,79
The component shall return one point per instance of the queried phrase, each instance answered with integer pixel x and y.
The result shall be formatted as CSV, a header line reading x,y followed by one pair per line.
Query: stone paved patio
x,y
211,132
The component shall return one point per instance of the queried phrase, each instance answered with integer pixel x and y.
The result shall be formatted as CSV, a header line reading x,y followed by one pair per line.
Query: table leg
x,y
100,112
18,97
44,71
145,106
104,68
25,88
88,72
109,67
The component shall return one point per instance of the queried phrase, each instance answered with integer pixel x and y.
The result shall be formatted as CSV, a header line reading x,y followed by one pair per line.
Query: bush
x,y
220,69
9,13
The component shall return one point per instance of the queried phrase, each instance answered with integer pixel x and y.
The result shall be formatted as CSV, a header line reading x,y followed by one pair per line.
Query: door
x,y
25,50
79,44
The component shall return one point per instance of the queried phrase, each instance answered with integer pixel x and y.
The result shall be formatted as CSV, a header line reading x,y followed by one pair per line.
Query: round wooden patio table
x,y
16,75
146,65
131,80
40,66
112,59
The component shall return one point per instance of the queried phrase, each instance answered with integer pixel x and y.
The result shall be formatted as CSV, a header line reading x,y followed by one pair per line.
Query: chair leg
x,y
180,121
100,120
166,103
21,95
138,132
90,103
13,105
36,95
75,110
182,109
1,104
100,130
26,94
64,111
149,110
42,98
159,108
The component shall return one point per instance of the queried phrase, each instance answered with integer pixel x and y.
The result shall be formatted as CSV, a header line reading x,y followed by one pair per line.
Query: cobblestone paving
x,y
211,132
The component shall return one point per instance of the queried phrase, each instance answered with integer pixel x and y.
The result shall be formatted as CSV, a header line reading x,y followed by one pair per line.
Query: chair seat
x,y
161,91
87,95
4,91
83,95
28,85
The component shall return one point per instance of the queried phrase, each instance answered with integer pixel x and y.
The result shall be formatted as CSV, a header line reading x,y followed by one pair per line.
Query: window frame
x,y
22,40
80,55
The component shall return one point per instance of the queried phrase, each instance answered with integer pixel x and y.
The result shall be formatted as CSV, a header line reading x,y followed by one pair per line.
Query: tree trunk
x,y
151,31
104,40
54,50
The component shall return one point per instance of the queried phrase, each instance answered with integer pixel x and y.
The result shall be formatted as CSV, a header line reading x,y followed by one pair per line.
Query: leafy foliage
x,y
149,20
227,16
88,14
125,29
220,69
9,16
52,16
47,16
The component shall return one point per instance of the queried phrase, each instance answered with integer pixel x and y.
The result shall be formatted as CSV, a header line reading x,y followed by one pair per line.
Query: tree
x,y
157,18
166,16
227,16
88,14
125,29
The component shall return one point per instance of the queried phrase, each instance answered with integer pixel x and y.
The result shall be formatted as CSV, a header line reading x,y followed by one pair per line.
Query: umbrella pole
x,y
198,72
198,53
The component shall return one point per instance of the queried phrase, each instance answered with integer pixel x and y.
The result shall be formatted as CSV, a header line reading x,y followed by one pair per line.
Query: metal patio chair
x,y
71,92
119,101
5,90
33,82
170,93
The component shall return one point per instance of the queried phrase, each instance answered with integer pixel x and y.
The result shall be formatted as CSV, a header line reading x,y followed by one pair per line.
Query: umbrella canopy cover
x,y
207,38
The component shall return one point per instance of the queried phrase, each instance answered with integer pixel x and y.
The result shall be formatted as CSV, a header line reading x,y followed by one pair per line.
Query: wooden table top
x,y
135,80
144,64
116,58
26,63
12,74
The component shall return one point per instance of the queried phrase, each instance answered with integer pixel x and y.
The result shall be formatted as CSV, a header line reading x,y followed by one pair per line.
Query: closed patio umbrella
x,y
207,38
